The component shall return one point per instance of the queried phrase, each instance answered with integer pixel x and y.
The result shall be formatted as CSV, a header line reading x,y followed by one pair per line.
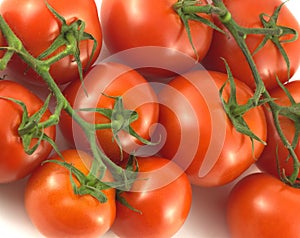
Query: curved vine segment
x,y
187,9
31,127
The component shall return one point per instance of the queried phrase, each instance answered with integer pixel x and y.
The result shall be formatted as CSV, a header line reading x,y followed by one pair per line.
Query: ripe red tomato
x,y
262,206
269,61
151,34
57,211
275,150
103,80
162,194
198,135
15,163
37,28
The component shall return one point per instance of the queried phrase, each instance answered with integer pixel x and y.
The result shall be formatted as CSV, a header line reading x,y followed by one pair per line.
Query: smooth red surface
x,y
111,79
57,211
189,133
15,164
269,61
262,206
275,151
163,210
138,24
37,28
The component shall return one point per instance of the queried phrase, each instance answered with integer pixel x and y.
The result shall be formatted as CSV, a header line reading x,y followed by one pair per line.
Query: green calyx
x,y
270,31
30,127
235,112
120,120
292,113
188,10
271,23
92,184
33,128
70,36
88,185
132,169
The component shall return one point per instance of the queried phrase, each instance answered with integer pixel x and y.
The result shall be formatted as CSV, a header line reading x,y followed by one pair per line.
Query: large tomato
x,y
275,151
37,28
162,198
199,136
151,34
15,163
102,81
57,211
269,61
262,206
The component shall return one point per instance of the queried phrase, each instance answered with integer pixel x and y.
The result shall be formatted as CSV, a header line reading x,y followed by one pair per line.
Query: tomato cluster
x,y
186,94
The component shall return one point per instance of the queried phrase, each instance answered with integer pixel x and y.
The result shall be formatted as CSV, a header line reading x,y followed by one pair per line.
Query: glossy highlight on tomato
x,y
57,211
138,25
37,28
161,208
260,205
103,81
15,163
275,153
269,62
187,104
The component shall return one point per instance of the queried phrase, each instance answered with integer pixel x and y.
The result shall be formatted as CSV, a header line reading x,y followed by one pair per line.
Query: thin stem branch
x,y
235,31
42,68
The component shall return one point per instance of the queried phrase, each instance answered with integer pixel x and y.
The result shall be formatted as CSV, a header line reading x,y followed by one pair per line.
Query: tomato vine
x,y
72,34
69,37
272,32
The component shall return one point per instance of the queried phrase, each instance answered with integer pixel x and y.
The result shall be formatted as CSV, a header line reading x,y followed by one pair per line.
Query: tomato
x,y
37,28
150,34
262,206
15,163
57,211
275,150
103,80
198,134
162,196
269,61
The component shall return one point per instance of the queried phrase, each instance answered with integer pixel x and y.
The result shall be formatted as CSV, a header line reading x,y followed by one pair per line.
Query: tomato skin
x,y
37,28
14,162
275,150
190,134
260,205
112,79
54,208
136,25
164,209
268,60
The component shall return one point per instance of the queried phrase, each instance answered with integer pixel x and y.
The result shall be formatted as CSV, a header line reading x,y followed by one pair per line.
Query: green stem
x,y
42,68
54,118
296,165
260,31
190,9
102,126
235,31
70,48
224,14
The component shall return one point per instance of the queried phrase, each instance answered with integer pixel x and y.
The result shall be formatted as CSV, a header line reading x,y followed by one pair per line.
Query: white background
x,y
206,219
